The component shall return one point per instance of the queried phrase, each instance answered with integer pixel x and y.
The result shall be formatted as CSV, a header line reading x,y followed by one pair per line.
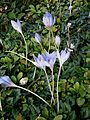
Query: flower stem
x,y
31,93
68,36
34,72
49,42
57,88
20,56
0,102
49,85
52,86
26,47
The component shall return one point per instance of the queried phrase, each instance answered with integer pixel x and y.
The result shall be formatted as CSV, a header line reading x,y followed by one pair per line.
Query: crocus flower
x,y
63,56
39,61
37,38
6,82
57,40
48,20
16,25
50,59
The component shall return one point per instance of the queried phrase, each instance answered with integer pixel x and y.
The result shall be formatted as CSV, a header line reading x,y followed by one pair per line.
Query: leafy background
x,y
74,85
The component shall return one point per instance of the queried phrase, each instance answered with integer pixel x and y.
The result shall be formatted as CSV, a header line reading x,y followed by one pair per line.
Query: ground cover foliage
x,y
74,85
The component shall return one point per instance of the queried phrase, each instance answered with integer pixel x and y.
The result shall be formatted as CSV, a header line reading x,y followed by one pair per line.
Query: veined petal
x,y
6,81
48,19
63,56
16,25
37,37
57,40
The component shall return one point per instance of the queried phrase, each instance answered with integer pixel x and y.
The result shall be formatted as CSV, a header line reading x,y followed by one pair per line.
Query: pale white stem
x,y
20,56
57,88
41,46
34,73
52,85
49,42
26,47
31,93
48,83
0,103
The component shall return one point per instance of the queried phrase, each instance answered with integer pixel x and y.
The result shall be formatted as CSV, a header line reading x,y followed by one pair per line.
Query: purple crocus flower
x,y
63,56
48,20
37,38
17,26
6,81
39,61
50,59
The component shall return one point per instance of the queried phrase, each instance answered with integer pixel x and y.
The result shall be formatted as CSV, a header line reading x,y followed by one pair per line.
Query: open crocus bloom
x,y
17,26
6,82
63,56
39,61
50,59
37,37
48,20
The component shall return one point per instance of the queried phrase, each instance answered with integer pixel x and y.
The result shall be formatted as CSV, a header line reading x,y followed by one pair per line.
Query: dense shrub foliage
x,y
74,84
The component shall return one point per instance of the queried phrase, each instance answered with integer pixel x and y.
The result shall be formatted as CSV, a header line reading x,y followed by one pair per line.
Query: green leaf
x,y
59,117
76,86
11,15
20,15
20,75
80,101
13,78
45,112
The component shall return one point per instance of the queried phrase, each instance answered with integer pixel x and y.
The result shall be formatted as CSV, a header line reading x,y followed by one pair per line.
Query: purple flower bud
x,y
37,37
16,25
57,40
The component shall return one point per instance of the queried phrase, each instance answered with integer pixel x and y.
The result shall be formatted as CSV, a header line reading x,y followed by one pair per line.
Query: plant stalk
x,y
31,93
49,84
26,47
57,89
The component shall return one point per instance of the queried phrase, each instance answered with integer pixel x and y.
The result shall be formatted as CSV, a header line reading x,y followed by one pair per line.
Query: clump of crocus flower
x,y
45,59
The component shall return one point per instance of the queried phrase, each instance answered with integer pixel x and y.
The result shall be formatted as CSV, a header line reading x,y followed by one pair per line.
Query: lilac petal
x,y
37,37
48,20
19,24
63,56
5,81
16,25
35,58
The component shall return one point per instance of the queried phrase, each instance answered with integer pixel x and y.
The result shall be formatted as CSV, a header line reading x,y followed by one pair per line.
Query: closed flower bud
x,y
37,37
57,40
